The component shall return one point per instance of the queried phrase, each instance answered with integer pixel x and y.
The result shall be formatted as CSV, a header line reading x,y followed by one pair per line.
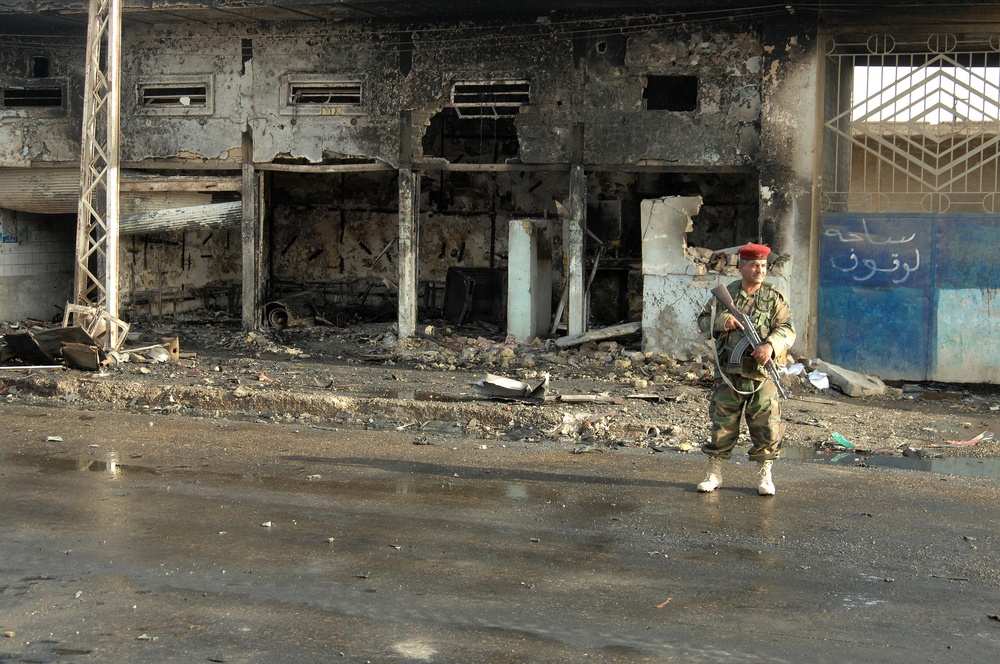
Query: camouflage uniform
x,y
768,309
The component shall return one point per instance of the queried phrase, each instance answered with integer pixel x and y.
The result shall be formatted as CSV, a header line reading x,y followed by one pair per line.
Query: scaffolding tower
x,y
96,281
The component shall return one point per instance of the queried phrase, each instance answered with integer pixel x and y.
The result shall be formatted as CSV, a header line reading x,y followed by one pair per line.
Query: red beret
x,y
752,252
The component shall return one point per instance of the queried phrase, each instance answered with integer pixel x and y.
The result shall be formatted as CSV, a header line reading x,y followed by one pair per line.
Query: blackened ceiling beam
x,y
58,17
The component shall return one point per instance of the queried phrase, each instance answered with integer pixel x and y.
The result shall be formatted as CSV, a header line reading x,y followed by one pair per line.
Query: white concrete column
x,y
529,278
409,227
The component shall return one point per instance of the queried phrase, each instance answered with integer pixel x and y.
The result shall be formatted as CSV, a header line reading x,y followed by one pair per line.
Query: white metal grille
x,y
340,93
489,99
913,126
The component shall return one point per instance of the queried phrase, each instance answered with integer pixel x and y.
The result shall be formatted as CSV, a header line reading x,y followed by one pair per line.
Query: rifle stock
x,y
750,333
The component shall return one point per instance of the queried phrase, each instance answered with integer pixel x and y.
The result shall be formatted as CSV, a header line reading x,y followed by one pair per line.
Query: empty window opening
x,y
32,97
39,67
342,93
246,51
173,96
671,93
470,140
489,99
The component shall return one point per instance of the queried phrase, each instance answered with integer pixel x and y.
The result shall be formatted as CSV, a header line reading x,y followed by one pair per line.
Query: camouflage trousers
x,y
763,415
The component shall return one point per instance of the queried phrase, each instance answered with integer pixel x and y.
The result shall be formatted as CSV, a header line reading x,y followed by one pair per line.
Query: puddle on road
x,y
965,466
88,464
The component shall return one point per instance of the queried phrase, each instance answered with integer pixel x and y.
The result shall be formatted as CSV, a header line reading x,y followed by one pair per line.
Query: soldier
x,y
744,388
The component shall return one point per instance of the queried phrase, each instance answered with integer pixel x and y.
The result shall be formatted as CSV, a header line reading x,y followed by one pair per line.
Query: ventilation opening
x,y
39,67
345,93
246,53
174,96
32,97
489,99
671,93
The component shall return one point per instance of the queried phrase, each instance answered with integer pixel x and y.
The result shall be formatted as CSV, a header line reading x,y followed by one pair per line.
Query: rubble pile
x,y
594,396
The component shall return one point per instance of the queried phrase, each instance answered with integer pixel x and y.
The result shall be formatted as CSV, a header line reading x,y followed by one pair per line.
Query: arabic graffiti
x,y
863,269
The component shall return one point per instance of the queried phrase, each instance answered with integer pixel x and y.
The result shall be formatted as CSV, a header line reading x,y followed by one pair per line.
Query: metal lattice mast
x,y
97,223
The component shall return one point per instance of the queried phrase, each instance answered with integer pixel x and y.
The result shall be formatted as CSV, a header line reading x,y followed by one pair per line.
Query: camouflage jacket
x,y
770,312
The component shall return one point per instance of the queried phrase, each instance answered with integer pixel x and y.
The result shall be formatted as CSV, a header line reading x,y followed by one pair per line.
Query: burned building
x,y
530,164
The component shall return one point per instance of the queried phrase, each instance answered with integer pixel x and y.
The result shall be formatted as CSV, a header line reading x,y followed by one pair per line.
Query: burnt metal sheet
x,y
45,346
84,356
195,217
40,190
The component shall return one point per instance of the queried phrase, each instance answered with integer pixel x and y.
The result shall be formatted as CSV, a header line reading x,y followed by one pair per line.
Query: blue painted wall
x,y
910,297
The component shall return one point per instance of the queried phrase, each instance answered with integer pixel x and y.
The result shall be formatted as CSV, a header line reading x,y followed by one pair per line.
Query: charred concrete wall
x,y
789,163
168,273
611,85
683,109
184,94
40,112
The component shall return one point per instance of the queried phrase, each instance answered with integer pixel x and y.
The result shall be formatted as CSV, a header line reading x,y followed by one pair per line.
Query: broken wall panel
x,y
538,56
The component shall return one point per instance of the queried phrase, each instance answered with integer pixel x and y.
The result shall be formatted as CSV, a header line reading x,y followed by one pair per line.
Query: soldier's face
x,y
754,271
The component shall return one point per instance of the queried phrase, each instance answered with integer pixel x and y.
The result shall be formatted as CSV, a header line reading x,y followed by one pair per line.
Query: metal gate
x,y
909,239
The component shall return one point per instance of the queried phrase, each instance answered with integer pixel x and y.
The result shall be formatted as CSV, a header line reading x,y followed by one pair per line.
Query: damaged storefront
x,y
280,166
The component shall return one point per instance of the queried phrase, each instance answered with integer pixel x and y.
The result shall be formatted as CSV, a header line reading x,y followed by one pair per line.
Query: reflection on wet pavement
x,y
968,467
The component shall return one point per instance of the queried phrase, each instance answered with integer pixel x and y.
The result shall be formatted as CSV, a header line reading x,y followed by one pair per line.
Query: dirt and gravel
x,y
598,395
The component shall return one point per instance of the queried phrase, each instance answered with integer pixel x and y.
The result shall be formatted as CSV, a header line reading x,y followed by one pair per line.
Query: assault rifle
x,y
751,337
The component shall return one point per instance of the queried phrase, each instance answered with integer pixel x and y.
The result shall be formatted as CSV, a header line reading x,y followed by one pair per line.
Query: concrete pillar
x,y
409,226
250,234
575,246
791,127
529,278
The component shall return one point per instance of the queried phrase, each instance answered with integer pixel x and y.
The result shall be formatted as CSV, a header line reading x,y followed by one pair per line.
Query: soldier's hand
x,y
763,353
732,324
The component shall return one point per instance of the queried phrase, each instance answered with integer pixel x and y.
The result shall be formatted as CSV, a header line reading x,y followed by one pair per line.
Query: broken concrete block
x,y
852,383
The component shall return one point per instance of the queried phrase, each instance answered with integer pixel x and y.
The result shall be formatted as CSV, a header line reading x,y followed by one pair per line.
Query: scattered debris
x,y
984,436
852,383
499,387
604,397
622,330
107,331
843,442
298,310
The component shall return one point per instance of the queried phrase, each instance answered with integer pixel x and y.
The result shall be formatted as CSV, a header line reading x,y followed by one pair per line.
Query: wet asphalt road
x,y
171,539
